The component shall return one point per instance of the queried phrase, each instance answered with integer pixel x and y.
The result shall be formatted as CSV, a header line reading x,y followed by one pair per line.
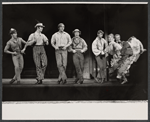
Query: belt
x,y
77,48
60,47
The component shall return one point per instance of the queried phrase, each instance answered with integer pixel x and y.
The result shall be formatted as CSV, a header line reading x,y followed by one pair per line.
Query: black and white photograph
x,y
61,52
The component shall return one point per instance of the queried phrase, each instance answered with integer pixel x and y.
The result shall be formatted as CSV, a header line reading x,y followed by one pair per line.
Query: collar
x,y
61,32
98,39
76,37
111,42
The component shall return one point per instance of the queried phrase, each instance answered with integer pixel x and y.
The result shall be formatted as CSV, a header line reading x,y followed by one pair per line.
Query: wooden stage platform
x,y
51,91
53,82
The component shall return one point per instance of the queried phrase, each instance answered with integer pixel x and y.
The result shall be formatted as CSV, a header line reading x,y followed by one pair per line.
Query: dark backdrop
x,y
127,20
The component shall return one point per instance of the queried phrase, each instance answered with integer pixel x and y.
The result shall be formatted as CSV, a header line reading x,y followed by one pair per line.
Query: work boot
x,y
18,82
76,80
59,81
12,81
64,82
39,82
97,80
80,82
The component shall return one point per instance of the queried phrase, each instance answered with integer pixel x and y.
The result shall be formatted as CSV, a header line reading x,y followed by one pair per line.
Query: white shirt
x,y
61,39
98,46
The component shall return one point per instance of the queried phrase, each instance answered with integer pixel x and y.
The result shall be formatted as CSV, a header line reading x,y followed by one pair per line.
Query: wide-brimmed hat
x,y
12,31
76,30
100,31
39,25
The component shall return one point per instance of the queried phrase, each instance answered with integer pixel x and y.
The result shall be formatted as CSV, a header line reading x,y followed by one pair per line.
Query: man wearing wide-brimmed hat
x,y
61,40
15,44
78,47
98,47
39,55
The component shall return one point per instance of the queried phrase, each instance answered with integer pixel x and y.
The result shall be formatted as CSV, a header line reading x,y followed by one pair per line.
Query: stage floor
x,y
51,91
70,83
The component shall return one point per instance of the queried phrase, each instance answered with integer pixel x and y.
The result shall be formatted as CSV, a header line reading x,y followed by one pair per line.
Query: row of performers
x,y
121,54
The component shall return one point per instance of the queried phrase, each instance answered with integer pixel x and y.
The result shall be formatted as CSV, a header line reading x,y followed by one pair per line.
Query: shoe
x,y
12,81
80,82
64,82
119,80
39,82
59,81
76,80
103,80
18,82
96,80
125,81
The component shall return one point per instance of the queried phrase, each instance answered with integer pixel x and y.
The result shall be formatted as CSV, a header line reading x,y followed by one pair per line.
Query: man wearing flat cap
x,y
98,48
61,40
38,39
15,44
78,47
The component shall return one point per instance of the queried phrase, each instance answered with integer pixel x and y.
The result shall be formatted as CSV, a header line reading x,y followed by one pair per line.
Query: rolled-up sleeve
x,y
53,40
84,45
69,40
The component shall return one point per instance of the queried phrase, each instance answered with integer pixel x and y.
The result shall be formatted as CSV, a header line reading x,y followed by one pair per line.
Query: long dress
x,y
130,53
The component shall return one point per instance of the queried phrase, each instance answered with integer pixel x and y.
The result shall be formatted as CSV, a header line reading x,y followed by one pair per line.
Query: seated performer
x,y
98,48
78,47
15,44
130,53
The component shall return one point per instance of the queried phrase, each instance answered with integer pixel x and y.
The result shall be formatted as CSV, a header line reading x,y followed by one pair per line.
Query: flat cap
x,y
12,31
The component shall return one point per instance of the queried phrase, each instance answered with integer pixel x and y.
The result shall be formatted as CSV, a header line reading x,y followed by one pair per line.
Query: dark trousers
x,y
101,62
61,59
40,60
78,60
